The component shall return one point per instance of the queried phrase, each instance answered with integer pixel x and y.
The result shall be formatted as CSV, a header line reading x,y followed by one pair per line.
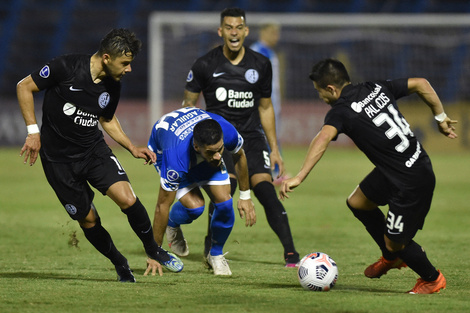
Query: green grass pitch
x,y
46,264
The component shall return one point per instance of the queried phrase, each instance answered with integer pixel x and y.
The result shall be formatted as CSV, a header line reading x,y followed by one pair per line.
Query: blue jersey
x,y
172,140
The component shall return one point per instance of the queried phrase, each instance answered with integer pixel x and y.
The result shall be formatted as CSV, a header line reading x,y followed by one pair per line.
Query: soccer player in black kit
x,y
236,84
82,91
403,177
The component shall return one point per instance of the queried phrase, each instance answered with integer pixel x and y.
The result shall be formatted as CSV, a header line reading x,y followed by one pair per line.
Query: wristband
x,y
245,194
32,129
440,117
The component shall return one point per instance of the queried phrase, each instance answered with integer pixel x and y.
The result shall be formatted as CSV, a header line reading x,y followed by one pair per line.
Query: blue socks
x,y
221,225
179,214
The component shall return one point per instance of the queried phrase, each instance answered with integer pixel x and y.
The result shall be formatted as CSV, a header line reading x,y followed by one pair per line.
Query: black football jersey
x,y
72,106
369,115
233,91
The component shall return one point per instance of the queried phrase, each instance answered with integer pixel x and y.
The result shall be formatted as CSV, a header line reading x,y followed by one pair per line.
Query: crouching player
x,y
189,143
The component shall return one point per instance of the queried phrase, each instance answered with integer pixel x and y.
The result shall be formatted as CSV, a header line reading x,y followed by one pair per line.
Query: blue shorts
x,y
201,175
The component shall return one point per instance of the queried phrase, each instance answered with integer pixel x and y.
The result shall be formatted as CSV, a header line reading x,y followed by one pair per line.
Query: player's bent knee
x,y
393,246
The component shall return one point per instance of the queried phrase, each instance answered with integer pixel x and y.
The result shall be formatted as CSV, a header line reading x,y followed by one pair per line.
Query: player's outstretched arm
x,y
316,150
114,130
32,145
160,221
423,88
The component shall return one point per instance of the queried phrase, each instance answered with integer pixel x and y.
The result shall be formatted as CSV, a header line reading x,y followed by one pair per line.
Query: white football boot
x,y
176,241
219,264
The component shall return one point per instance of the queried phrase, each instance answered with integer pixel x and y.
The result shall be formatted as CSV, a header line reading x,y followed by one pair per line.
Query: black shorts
x,y
71,181
257,155
408,206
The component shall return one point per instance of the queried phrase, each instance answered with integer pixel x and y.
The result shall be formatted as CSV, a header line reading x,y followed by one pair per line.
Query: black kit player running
x,y
403,177
236,83
83,91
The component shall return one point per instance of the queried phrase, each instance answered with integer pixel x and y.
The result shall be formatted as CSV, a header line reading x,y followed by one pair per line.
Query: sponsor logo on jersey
x,y
218,74
236,99
414,157
44,72
69,109
71,209
172,175
190,76
251,76
79,116
357,106
103,100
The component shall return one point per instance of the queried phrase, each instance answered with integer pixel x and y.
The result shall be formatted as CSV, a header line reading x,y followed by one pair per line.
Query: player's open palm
x,y
152,267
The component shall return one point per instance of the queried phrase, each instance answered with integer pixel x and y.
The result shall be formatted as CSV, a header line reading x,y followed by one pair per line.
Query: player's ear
x,y
195,146
247,31
219,31
330,89
106,58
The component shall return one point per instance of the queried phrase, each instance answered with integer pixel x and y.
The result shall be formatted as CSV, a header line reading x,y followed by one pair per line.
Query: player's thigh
x,y
407,211
358,200
218,193
105,173
192,199
70,187
375,187
257,155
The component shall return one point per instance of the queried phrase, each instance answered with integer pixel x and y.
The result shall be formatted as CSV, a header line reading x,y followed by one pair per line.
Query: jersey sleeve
x,y
398,87
51,73
267,80
195,79
337,117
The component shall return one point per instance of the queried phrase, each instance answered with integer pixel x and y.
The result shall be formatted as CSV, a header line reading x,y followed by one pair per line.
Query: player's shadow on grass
x,y
51,276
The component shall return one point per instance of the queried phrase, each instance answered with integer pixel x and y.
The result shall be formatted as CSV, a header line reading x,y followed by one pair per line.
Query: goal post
x,y
372,46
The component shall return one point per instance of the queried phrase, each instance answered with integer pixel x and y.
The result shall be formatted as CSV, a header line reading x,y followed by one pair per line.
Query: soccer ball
x,y
317,272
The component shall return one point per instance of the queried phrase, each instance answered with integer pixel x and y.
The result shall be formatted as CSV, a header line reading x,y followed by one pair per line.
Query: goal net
x,y
372,46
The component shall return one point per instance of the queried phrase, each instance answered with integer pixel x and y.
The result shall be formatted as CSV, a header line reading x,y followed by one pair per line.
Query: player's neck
x,y
234,57
96,69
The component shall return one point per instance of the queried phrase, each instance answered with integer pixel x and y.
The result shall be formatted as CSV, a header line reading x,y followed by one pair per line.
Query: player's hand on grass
x,y
447,128
152,267
287,186
246,209
31,148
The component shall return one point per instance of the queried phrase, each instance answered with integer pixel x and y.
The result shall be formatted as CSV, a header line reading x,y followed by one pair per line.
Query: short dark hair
x,y
329,72
233,12
120,42
207,132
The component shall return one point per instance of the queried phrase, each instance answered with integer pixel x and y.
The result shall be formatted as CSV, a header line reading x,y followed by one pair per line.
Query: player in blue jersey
x,y
189,144
83,91
403,177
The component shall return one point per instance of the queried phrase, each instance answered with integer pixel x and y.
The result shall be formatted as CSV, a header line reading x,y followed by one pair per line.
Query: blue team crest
x,y
172,175
104,100
190,76
44,72
251,76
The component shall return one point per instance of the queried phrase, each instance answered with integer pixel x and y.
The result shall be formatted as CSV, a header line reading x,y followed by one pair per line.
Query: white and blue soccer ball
x,y
317,272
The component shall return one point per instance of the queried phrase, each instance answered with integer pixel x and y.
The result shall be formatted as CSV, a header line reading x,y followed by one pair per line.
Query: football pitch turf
x,y
46,264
